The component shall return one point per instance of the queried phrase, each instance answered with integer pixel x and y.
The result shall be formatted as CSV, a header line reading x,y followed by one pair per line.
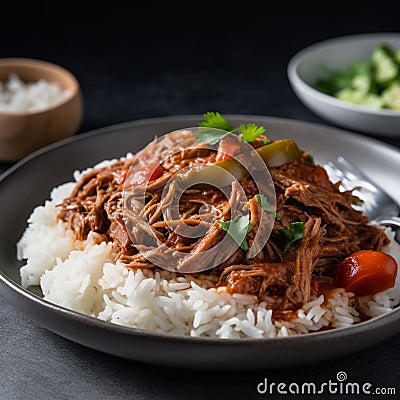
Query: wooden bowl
x,y
21,133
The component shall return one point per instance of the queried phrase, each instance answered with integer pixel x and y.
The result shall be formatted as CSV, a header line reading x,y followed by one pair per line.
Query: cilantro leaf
x,y
217,121
251,131
291,235
236,228
357,201
210,136
264,204
213,128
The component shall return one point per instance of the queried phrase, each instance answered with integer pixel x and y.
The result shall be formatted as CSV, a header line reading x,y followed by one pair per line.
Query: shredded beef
x,y
333,229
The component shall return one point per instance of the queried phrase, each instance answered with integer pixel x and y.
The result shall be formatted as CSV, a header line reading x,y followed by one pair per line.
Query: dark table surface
x,y
135,64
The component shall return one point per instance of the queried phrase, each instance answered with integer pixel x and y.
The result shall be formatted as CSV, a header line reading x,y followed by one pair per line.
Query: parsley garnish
x,y
210,136
264,204
220,127
291,235
236,227
217,121
251,132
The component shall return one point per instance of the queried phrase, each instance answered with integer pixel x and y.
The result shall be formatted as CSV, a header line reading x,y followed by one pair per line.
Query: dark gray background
x,y
149,62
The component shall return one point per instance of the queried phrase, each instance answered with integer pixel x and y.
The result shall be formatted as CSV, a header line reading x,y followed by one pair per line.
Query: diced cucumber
x,y
397,56
373,83
360,97
391,96
351,95
372,101
362,83
385,64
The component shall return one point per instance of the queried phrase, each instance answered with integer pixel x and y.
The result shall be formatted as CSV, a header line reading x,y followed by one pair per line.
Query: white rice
x,y
19,96
82,276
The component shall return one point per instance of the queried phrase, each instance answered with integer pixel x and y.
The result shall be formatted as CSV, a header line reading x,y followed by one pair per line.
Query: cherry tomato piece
x,y
147,173
366,272
227,148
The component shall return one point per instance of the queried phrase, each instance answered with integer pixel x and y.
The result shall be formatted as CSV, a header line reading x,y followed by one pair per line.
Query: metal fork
x,y
377,205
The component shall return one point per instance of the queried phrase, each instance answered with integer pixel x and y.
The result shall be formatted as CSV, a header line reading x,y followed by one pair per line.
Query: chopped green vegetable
x,y
280,152
366,83
391,95
359,97
397,56
292,234
372,100
264,204
238,228
251,132
386,67
350,95
274,154
362,83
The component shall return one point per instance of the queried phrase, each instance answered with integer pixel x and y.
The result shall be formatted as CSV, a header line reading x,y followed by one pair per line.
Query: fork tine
x,y
352,176
376,200
350,170
333,172
336,174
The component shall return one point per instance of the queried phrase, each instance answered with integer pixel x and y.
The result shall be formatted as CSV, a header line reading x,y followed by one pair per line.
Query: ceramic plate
x,y
29,182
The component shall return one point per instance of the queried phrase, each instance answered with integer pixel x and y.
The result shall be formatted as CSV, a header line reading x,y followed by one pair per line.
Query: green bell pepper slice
x,y
273,154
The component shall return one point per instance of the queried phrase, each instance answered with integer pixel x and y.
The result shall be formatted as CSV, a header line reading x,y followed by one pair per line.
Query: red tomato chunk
x,y
147,173
227,148
366,272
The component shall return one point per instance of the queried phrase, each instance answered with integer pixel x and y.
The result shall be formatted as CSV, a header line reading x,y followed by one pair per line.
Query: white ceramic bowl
x,y
312,62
